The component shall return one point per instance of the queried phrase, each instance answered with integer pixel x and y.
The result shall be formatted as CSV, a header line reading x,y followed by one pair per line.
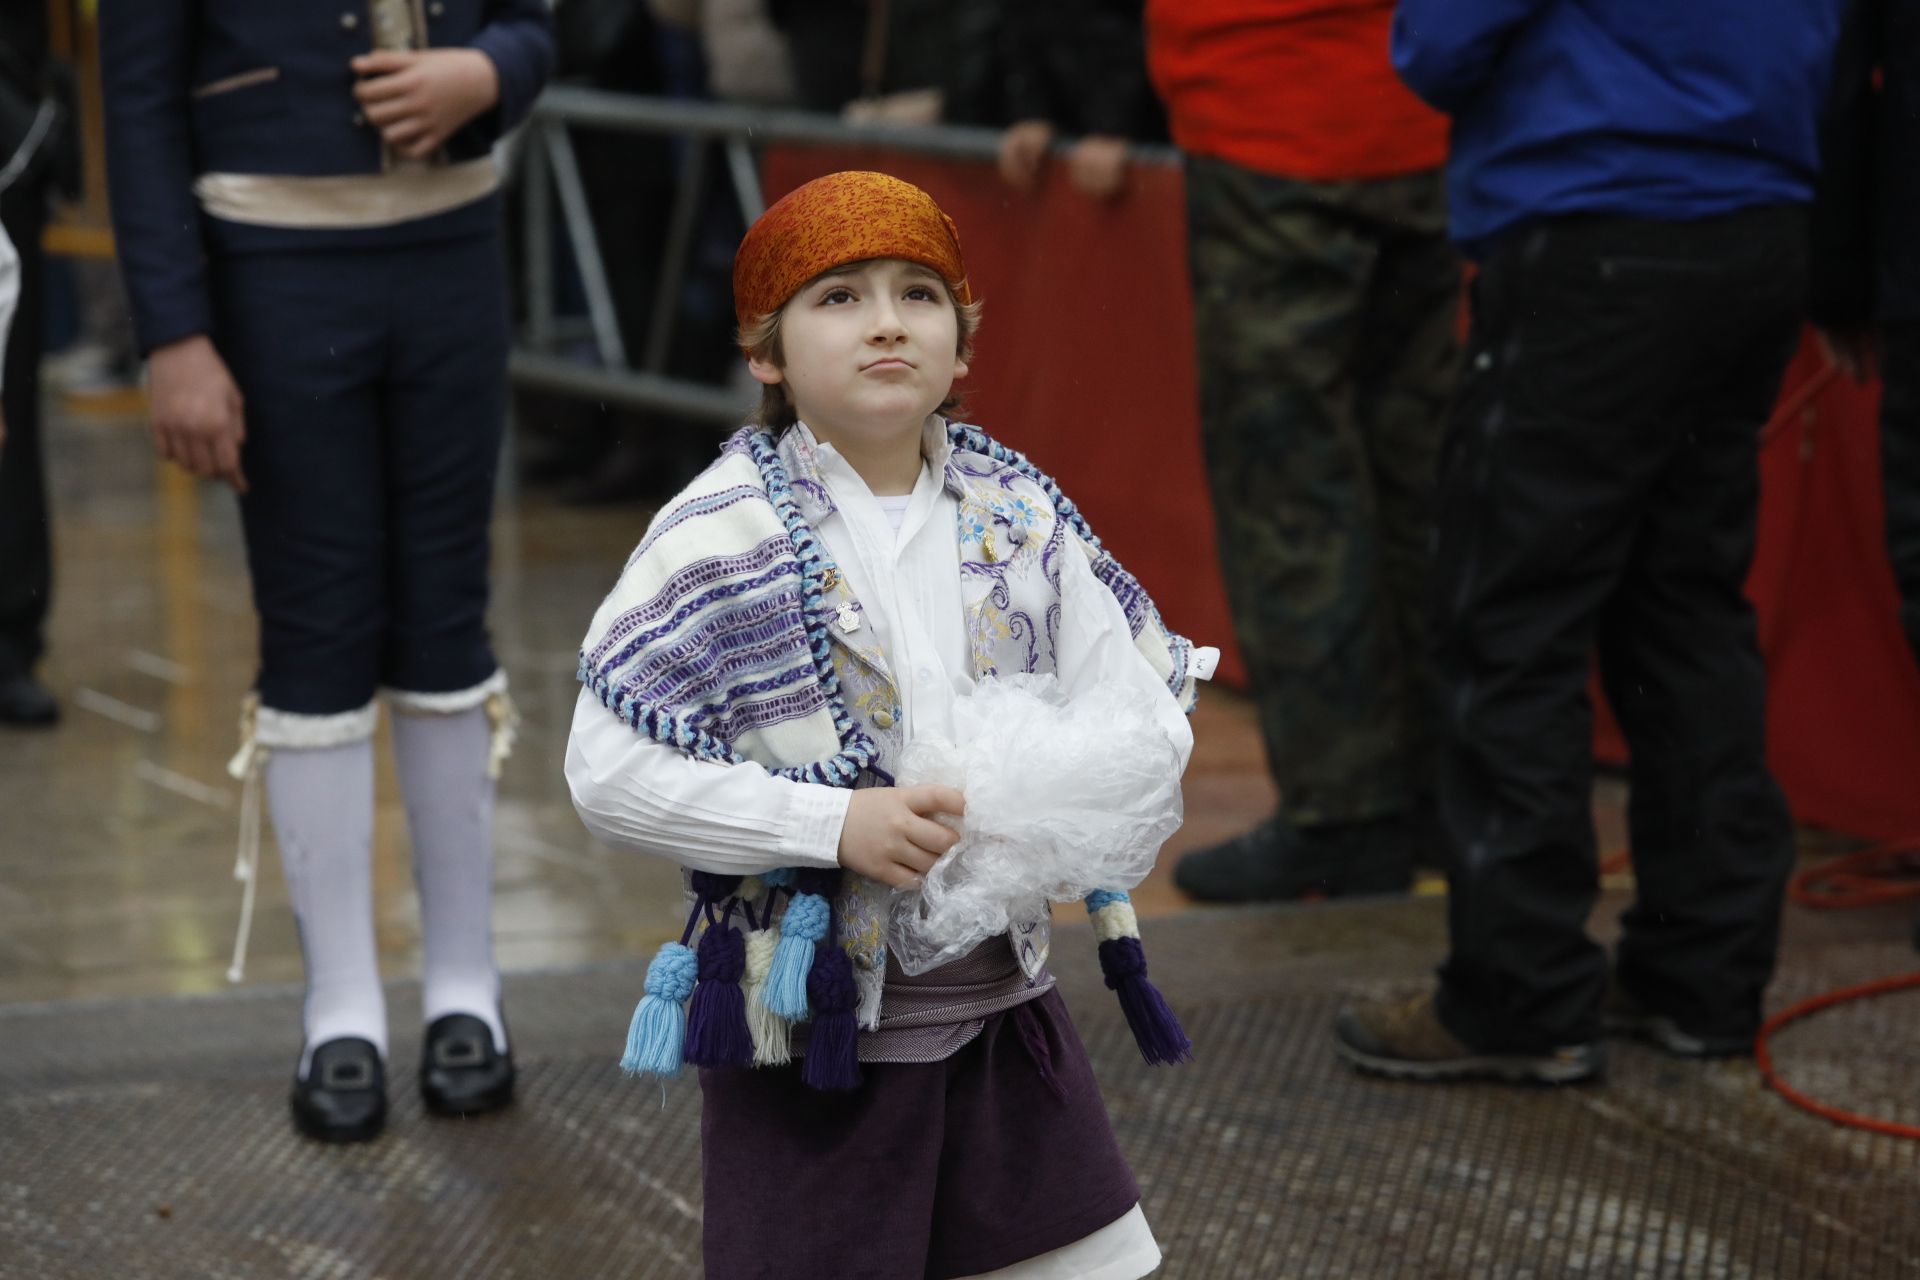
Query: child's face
x,y
869,348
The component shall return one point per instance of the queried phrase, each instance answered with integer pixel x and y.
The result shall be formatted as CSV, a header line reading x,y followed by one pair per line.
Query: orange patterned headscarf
x,y
841,218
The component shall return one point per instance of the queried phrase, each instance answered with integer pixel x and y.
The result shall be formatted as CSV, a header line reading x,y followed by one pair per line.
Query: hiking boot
x,y
1277,860
1405,1040
1622,1015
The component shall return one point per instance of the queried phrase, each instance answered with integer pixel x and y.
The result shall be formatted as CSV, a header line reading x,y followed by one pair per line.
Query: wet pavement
x,y
149,1138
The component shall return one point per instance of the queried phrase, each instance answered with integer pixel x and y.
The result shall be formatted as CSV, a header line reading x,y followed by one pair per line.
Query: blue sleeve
x,y
518,37
1445,50
146,61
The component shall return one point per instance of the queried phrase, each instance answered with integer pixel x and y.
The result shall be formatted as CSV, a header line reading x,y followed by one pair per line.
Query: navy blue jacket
x,y
1660,109
260,87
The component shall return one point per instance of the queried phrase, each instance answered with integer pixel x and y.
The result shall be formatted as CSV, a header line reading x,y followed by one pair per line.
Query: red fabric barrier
x,y
1085,361
1844,695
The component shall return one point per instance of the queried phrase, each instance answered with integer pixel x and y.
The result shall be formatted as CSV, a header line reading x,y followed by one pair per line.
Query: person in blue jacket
x,y
307,216
1633,177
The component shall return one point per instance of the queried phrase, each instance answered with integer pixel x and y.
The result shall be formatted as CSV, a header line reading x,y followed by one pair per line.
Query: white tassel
x,y
772,1034
246,767
505,719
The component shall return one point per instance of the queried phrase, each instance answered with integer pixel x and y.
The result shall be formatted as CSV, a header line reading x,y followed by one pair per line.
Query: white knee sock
x,y
443,761
322,805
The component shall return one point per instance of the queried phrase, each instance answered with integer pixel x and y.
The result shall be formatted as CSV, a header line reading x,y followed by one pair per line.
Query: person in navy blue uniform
x,y
307,215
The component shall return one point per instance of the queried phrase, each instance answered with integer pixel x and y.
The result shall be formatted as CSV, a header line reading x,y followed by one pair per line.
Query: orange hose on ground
x,y
1763,1058
1885,873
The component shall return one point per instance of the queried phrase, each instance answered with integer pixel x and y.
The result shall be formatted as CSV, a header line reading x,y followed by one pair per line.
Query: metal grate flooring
x,y
149,1138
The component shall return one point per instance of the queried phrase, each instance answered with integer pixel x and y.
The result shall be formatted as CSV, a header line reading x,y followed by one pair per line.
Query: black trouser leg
x,y
26,546
306,337
1599,465
444,404
1712,840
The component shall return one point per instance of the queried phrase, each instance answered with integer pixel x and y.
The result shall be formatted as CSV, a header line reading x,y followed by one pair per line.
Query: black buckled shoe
x,y
25,703
344,1095
461,1073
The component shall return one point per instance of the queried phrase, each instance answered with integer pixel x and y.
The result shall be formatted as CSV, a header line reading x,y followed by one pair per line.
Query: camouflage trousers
x,y
1324,330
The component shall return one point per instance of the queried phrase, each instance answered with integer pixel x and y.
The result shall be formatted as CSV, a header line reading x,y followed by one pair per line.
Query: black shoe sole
x,y
1503,1068
438,1104
1663,1034
313,1127
492,1100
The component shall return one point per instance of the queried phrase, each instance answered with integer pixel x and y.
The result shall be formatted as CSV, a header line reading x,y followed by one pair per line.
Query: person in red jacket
x,y
1324,292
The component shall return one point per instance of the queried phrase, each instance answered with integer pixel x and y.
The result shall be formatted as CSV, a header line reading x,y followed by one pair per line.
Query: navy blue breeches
x,y
374,382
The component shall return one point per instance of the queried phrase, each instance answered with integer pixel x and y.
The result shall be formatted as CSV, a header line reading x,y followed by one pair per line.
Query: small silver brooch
x,y
848,617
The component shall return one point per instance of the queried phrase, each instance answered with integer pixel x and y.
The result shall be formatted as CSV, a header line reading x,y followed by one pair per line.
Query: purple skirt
x,y
929,1170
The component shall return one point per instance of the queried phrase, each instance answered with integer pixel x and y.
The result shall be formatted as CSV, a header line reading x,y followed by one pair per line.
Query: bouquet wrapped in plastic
x,y
1064,796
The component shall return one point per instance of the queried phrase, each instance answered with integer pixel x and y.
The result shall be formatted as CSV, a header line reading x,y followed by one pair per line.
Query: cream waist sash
x,y
345,200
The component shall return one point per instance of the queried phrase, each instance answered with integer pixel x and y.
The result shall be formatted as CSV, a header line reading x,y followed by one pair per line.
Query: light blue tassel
x,y
659,1029
805,923
778,878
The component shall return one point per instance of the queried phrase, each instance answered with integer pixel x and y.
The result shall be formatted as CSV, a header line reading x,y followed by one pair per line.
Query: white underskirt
x,y
1124,1249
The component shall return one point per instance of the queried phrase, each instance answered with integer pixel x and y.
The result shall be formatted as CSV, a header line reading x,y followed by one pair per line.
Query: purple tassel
x,y
832,1061
709,886
717,1033
821,882
1155,1029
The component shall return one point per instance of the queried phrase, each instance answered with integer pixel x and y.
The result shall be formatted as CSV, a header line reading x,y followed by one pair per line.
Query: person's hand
x,y
1097,166
1856,351
889,833
1023,152
419,99
197,410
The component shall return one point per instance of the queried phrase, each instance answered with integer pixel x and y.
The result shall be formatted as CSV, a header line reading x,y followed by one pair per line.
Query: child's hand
x,y
420,99
889,834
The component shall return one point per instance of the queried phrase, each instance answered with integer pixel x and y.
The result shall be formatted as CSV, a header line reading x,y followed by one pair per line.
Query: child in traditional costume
x,y
823,596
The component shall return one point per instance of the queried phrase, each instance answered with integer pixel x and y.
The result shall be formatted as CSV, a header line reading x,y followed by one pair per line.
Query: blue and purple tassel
x,y
717,1031
808,920
832,1059
658,1029
1124,964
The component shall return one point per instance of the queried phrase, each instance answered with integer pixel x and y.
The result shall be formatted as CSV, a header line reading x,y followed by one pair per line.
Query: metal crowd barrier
x,y
545,352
